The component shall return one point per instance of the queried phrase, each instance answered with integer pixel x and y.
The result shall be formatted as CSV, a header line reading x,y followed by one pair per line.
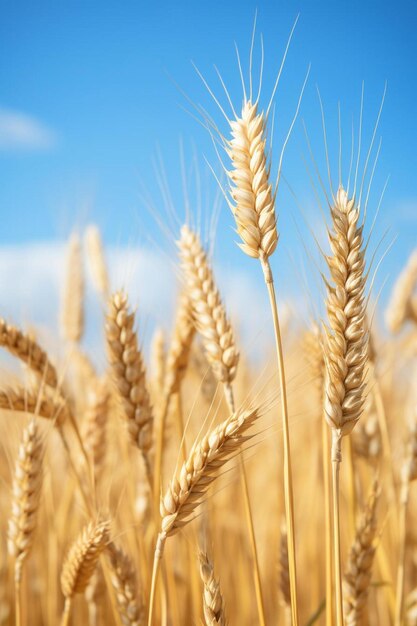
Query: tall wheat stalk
x,y
346,347
253,205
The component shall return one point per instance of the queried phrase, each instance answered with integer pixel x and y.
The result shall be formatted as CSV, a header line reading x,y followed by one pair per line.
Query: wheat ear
x,y
252,201
346,347
82,560
188,487
29,351
213,605
358,572
180,346
402,306
177,360
25,503
42,404
208,310
95,593
128,371
95,425
72,304
123,578
97,261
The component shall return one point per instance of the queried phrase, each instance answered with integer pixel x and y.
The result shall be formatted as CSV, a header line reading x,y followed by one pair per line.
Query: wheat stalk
x,y
25,503
123,578
213,605
188,487
358,572
346,346
72,312
252,201
29,351
128,371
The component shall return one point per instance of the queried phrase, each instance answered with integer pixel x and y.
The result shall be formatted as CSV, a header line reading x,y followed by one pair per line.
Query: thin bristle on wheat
x,y
347,338
180,346
213,605
359,567
97,260
128,371
24,400
72,305
123,577
252,195
26,494
207,456
29,351
208,310
83,556
402,305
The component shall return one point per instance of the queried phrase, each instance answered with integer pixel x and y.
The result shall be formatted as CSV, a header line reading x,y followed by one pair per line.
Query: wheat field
x,y
195,485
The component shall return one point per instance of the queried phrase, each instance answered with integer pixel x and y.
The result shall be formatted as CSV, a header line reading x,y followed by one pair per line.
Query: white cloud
x,y
19,131
31,278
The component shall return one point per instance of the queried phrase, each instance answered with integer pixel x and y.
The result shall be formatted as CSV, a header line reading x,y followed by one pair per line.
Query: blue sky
x,y
88,99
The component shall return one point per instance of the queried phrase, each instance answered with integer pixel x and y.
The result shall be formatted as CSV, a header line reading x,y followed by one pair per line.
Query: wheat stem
x,y
18,602
328,523
336,460
249,518
401,553
288,488
159,549
66,612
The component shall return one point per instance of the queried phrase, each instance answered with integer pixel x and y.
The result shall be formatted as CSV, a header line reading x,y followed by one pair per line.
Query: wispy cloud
x,y
30,295
20,131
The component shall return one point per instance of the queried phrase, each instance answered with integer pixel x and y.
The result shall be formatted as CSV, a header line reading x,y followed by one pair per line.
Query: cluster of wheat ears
x,y
201,510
